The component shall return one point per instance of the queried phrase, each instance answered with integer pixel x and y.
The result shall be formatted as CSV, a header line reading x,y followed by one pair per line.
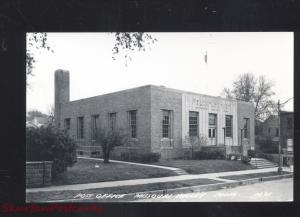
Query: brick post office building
x,y
159,119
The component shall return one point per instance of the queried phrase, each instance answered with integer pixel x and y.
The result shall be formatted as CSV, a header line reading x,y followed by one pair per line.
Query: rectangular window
x,y
269,130
277,131
67,124
212,119
132,123
193,123
228,125
246,128
166,124
95,125
290,123
112,120
80,128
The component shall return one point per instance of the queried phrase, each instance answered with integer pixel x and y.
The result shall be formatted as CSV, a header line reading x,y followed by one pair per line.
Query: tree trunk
x,y
106,155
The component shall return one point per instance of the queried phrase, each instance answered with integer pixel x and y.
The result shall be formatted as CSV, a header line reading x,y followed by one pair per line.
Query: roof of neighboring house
x,y
40,121
271,118
286,113
30,124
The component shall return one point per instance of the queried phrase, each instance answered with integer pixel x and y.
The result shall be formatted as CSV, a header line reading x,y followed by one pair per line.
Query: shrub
x,y
251,153
141,158
149,157
246,159
50,144
207,154
271,157
266,145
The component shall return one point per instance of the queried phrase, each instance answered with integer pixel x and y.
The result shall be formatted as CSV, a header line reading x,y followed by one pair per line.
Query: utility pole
x,y
279,143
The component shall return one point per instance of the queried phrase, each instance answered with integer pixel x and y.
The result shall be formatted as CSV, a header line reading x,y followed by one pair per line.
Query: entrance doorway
x,y
212,136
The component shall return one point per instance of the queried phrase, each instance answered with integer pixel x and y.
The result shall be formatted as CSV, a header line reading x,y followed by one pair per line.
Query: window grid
x,y
228,125
112,120
95,120
67,124
166,124
193,123
132,123
212,119
80,128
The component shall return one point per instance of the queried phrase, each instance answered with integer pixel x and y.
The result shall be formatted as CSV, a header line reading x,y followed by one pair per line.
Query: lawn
x,y
206,166
253,175
59,195
84,171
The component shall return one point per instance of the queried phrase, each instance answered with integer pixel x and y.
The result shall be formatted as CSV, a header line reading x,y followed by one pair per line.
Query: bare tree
x,y
51,114
109,139
256,90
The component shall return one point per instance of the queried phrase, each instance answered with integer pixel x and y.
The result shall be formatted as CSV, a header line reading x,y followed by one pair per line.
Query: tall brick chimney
x,y
62,93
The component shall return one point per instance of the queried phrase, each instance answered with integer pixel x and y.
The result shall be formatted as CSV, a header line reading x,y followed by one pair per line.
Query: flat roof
x,y
161,88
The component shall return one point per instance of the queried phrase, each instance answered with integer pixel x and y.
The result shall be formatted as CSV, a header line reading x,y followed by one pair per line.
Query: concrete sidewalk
x,y
174,169
213,176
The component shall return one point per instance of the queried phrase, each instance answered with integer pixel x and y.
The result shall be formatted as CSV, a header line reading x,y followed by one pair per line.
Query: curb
x,y
210,187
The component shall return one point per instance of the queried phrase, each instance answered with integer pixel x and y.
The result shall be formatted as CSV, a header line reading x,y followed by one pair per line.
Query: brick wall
x,y
120,102
61,92
163,98
38,173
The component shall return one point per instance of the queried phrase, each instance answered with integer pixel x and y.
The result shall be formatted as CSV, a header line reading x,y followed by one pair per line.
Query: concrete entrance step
x,y
261,163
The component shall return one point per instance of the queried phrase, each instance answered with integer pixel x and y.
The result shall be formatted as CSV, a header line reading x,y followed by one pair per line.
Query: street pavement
x,y
278,190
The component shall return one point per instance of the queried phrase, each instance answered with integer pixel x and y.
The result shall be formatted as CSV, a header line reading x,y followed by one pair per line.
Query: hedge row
x,y
140,158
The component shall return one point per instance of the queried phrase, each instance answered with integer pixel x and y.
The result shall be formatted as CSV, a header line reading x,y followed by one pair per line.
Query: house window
x,y
212,119
112,120
228,125
95,125
289,123
132,123
67,124
193,123
277,131
269,130
246,128
80,128
166,124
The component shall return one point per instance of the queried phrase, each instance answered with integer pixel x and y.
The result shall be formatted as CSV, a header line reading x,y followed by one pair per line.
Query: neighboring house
x,y
270,128
158,118
38,122
286,128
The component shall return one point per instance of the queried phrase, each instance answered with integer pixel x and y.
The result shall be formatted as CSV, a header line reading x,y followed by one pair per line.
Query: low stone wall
x,y
38,173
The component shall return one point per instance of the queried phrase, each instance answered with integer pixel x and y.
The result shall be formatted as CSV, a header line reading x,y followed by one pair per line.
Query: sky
x,y
176,60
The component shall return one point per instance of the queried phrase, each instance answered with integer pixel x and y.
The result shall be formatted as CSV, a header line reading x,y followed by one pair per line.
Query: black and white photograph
x,y
159,117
